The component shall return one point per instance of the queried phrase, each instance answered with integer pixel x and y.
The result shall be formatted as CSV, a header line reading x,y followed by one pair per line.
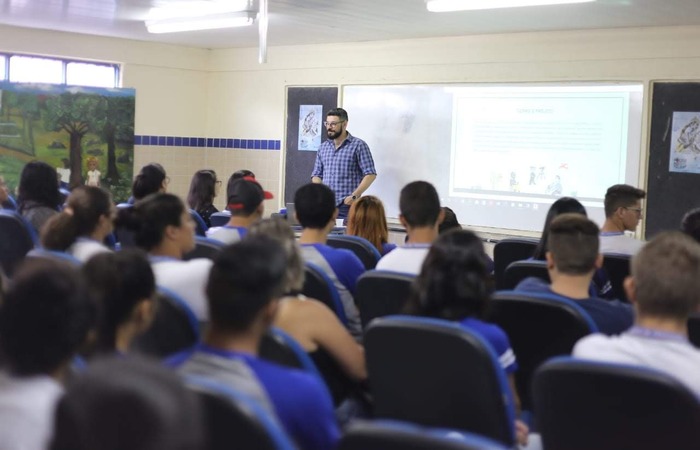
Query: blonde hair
x,y
367,219
280,231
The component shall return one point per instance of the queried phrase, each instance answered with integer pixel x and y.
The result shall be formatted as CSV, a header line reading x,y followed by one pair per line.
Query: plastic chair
x,y
174,328
54,255
539,327
219,219
204,248
232,420
694,329
592,405
617,268
17,238
318,285
396,435
510,250
381,293
519,270
368,253
279,347
436,373
200,227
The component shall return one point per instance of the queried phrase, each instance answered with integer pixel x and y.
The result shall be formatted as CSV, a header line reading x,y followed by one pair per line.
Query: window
x,y
33,69
86,74
3,65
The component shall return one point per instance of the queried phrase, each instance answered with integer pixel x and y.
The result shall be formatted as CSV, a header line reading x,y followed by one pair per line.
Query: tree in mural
x,y
26,105
114,121
74,114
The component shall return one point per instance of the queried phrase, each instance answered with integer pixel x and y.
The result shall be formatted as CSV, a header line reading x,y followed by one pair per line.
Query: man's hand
x,y
348,200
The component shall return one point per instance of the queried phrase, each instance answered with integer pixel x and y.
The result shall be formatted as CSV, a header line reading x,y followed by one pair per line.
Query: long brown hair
x,y
368,220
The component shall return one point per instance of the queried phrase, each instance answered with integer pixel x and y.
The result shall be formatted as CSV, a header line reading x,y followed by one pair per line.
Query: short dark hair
x,y
148,181
690,224
44,317
621,196
665,273
314,204
244,279
574,243
454,282
561,206
242,173
450,221
419,204
149,218
38,183
338,112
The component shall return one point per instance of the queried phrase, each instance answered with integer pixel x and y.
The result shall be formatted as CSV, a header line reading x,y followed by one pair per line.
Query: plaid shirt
x,y
343,169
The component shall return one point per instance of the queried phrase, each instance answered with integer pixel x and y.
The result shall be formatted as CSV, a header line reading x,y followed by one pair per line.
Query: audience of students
x,y
44,318
664,289
245,282
203,189
316,328
38,197
572,258
246,201
150,180
164,228
81,228
316,212
367,219
623,211
421,215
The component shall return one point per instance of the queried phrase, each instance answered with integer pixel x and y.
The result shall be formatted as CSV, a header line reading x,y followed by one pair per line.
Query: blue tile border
x,y
191,141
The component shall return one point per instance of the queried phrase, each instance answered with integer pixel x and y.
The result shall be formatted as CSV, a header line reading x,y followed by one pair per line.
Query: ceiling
x,y
294,22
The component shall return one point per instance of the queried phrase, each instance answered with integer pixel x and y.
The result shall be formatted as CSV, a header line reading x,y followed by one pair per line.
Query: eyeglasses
x,y
332,124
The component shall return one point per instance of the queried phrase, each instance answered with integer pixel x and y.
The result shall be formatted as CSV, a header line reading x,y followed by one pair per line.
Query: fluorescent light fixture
x,y
213,22
200,15
464,5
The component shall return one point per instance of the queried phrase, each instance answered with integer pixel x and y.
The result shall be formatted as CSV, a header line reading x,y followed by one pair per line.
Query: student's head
x,y
123,286
241,174
38,183
623,204
89,210
158,219
44,317
563,205
367,219
572,244
336,122
449,222
244,284
246,197
151,179
419,204
128,403
454,281
202,189
664,281
315,206
280,231
690,224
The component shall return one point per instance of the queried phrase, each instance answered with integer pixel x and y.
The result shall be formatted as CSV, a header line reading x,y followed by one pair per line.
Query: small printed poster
x,y
310,127
685,143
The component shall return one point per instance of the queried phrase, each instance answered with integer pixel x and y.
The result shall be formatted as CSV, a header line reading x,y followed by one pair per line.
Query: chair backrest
x,y
519,270
539,327
617,268
279,347
380,293
219,219
585,405
436,373
694,329
232,420
54,256
395,435
510,250
174,328
319,286
200,227
204,248
368,253
17,238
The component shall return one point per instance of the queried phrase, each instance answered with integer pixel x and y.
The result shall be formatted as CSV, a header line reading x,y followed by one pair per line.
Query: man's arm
x,y
316,180
317,173
366,182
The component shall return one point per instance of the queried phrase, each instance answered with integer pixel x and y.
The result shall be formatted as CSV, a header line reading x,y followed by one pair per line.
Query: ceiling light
x,y
211,22
463,5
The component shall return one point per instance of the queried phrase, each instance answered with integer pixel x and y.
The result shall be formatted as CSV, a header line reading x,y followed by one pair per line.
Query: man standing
x,y
343,162
623,211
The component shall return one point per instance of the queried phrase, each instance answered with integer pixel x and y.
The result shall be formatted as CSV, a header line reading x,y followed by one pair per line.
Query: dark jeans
x,y
343,211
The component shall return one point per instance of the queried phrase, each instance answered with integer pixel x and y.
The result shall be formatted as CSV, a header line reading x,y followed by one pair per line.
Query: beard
x,y
334,134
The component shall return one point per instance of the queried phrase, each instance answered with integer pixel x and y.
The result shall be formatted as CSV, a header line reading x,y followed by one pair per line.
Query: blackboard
x,y
669,194
300,163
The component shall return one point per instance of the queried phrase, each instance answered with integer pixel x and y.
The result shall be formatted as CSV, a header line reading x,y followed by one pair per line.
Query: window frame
x,y
5,70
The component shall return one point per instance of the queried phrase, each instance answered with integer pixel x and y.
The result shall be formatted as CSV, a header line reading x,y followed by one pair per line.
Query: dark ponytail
x,y
148,181
149,217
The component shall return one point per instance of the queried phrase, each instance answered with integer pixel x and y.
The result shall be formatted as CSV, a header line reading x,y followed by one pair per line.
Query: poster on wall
x,y
86,133
685,142
310,117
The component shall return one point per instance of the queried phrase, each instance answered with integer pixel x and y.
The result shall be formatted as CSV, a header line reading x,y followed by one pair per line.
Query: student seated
x,y
338,357
623,211
246,201
38,197
316,212
664,288
572,258
421,215
44,318
245,282
151,179
367,219
203,189
164,228
81,228
454,284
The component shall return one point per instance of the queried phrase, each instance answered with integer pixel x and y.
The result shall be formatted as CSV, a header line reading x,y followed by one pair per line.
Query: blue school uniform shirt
x,y
494,335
